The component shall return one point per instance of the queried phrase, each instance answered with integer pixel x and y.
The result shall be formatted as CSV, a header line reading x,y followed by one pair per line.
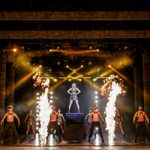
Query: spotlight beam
x,y
95,79
81,76
24,79
62,81
86,79
74,52
75,70
118,72
92,84
89,82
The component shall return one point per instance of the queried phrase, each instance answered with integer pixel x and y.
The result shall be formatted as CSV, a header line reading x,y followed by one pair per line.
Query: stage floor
x,y
119,144
73,147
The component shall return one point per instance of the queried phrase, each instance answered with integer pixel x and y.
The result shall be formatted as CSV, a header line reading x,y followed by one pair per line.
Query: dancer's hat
x,y
10,106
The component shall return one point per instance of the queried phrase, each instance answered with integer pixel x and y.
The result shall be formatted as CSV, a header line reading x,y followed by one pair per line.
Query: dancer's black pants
x,y
13,127
141,129
54,125
93,125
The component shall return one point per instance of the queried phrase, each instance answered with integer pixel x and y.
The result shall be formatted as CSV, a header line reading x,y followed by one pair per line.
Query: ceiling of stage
x,y
83,52
118,29
54,27
73,5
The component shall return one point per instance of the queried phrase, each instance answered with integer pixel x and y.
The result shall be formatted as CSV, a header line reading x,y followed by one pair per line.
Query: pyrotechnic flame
x,y
113,86
44,117
110,111
44,107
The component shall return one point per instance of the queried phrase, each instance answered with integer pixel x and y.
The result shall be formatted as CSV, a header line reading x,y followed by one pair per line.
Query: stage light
x,y
97,137
37,110
37,123
89,63
90,47
69,80
37,139
93,70
51,93
67,66
94,79
97,50
40,66
51,97
58,63
37,128
37,94
125,47
96,128
24,79
96,101
80,80
14,49
50,140
97,140
96,92
96,97
55,80
51,101
109,66
119,73
37,118
58,47
81,66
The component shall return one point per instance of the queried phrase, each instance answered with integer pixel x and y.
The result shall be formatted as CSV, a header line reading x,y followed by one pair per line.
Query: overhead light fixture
x,y
14,49
81,66
90,47
67,66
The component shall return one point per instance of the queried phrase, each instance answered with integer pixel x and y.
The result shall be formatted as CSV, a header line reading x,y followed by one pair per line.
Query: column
x,y
10,73
2,83
138,81
146,81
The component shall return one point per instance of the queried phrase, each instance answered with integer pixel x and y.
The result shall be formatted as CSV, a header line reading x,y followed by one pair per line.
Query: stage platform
x,y
77,118
119,144
74,130
76,147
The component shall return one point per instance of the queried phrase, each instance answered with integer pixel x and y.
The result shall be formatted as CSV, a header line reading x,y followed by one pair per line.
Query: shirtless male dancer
x,y
140,120
54,123
10,122
95,115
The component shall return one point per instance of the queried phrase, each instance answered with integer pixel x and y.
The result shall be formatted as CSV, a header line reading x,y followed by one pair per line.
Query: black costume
x,y
95,124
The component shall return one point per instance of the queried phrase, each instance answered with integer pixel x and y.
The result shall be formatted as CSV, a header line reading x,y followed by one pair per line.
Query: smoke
x,y
21,59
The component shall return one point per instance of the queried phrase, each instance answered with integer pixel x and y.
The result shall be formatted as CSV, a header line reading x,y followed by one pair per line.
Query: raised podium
x,y
75,130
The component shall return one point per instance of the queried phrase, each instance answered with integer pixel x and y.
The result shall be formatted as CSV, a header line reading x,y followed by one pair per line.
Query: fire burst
x,y
112,87
43,106
44,117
